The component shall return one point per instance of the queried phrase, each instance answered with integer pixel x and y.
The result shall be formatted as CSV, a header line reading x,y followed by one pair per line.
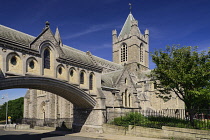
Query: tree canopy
x,y
15,109
185,72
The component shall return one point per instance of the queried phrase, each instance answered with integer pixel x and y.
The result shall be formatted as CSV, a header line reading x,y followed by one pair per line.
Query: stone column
x,y
87,120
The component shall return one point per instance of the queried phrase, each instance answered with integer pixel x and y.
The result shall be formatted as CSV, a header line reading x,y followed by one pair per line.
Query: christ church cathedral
x,y
119,85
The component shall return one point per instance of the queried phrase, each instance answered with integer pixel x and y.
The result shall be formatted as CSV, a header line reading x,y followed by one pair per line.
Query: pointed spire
x,y
58,37
127,25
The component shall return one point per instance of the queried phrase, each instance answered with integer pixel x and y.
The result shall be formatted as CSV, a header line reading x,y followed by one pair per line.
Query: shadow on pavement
x,y
32,136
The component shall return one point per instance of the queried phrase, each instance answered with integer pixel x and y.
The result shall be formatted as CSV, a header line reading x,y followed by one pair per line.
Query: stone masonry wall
x,y
165,132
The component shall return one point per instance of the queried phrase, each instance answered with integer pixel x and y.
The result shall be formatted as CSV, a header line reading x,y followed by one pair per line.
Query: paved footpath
x,y
112,137
94,135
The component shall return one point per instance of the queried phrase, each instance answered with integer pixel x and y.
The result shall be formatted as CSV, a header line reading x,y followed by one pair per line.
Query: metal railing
x,y
157,119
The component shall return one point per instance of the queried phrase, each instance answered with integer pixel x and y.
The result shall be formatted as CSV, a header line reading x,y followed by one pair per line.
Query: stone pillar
x,y
25,114
87,120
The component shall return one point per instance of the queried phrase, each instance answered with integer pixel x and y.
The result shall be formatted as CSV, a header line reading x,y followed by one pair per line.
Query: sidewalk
x,y
92,135
111,136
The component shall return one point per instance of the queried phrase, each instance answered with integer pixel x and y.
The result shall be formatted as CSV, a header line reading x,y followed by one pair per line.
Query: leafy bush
x,y
137,119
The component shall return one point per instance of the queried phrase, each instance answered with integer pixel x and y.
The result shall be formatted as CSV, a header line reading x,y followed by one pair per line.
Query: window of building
x,y
126,81
141,53
31,64
60,70
91,82
82,77
47,59
126,99
71,73
124,53
123,99
13,60
129,100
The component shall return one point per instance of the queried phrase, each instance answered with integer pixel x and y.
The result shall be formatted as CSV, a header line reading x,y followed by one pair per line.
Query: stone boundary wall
x,y
165,132
23,127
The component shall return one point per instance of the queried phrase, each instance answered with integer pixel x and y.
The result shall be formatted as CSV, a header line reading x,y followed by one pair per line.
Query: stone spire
x,y
127,25
58,37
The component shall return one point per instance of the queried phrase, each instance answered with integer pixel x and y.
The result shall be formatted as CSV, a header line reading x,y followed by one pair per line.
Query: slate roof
x,y
104,62
108,79
76,54
15,36
144,75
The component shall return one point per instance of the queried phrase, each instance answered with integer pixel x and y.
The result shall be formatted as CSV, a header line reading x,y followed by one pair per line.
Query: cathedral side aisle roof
x,y
15,36
107,63
76,54
108,79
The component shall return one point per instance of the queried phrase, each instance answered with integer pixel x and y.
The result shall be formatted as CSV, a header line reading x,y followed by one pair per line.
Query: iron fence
x,y
157,119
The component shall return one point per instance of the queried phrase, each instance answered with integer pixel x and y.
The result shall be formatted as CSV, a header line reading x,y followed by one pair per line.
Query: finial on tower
x,y
130,7
47,24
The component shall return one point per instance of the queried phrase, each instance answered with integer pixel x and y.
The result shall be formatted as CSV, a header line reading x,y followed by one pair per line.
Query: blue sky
x,y
87,24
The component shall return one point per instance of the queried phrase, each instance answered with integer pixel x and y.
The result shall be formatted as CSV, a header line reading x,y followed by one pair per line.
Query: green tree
x,y
185,72
15,109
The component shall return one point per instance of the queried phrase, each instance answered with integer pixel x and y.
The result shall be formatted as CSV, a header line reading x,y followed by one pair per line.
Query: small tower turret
x,y
134,28
114,36
58,37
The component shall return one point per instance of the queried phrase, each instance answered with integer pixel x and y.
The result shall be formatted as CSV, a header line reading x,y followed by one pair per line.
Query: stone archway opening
x,y
82,101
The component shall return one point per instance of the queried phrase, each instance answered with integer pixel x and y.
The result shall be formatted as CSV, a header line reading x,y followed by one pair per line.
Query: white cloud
x,y
91,29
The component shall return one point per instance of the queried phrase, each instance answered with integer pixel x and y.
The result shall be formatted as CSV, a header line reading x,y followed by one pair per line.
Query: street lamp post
x,y
6,96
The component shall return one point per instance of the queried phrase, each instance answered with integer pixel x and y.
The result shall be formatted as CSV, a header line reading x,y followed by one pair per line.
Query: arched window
x,y
129,100
126,81
126,99
141,53
82,77
60,70
124,53
71,73
47,59
91,82
123,99
31,64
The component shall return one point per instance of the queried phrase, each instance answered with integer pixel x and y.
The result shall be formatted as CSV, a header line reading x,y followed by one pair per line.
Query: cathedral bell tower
x,y
131,46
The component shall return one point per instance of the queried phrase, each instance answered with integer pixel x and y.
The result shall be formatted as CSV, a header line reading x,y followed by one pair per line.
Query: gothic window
x,y
72,73
123,99
47,59
124,53
141,53
60,70
91,82
129,100
31,64
126,81
126,99
82,77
